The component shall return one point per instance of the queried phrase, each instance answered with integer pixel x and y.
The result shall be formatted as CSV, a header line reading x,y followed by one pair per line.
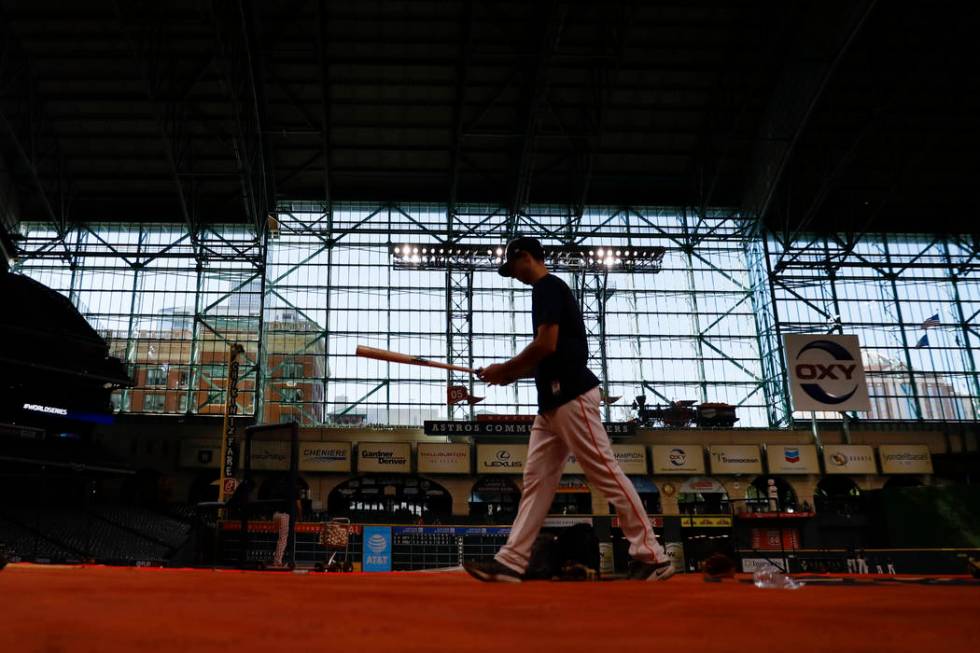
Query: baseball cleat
x,y
639,570
492,572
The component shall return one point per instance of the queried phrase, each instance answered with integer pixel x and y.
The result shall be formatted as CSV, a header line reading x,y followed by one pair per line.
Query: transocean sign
x,y
826,373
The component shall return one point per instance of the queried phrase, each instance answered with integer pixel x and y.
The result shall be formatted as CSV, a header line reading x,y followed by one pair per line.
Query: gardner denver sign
x,y
384,457
825,373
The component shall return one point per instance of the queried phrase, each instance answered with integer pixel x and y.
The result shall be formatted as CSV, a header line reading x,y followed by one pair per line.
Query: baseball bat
x,y
395,357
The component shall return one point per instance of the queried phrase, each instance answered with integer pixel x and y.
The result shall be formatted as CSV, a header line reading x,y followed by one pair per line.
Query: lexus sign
x,y
826,373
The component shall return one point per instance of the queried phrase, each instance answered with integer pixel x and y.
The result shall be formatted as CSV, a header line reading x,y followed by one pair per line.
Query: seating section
x,y
112,534
22,543
155,526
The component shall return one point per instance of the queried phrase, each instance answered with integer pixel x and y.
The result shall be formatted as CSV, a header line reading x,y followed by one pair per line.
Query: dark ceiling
x,y
844,115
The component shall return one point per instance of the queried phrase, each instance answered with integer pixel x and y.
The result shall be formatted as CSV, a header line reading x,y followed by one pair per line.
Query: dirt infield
x,y
108,609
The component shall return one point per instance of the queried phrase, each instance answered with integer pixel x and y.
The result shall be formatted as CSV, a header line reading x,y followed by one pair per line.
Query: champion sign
x,y
826,373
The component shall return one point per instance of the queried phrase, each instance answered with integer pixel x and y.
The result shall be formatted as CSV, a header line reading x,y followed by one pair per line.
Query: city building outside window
x,y
154,402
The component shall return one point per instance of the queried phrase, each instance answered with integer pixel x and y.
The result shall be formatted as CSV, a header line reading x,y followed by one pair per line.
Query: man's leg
x,y
281,520
578,422
546,458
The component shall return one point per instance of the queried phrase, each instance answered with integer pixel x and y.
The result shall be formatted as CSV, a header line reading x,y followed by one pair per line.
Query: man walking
x,y
568,421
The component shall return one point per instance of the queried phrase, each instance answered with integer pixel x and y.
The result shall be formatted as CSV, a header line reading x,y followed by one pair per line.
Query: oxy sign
x,y
826,373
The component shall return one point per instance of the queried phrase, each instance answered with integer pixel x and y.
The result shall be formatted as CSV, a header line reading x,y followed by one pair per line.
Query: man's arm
x,y
544,344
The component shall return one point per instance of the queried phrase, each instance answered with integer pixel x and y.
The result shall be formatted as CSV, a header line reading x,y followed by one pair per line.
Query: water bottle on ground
x,y
772,578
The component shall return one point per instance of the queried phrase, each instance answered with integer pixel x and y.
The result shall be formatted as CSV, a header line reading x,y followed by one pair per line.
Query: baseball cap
x,y
518,246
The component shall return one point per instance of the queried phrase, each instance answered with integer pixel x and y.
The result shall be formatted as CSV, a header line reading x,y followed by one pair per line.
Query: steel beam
x,y
146,43
465,53
234,27
323,60
534,92
30,131
604,73
809,67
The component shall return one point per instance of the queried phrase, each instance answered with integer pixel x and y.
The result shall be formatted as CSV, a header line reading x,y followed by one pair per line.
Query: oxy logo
x,y
833,371
377,543
677,457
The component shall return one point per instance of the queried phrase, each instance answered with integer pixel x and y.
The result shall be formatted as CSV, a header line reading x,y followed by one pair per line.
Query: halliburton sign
x,y
449,458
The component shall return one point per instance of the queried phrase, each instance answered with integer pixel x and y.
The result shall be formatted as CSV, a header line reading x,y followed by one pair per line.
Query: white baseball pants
x,y
575,427
281,520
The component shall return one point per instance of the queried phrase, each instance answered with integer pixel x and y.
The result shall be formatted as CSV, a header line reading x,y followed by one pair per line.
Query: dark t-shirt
x,y
563,375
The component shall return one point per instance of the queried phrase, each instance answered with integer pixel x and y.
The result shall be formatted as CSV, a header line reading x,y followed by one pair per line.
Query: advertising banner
x,y
677,459
377,549
905,459
229,428
735,459
792,459
506,426
447,458
200,453
706,522
572,466
500,458
325,457
825,373
632,458
849,459
775,539
702,485
389,457
270,455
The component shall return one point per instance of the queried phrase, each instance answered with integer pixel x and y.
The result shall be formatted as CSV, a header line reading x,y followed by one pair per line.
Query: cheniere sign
x,y
325,456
